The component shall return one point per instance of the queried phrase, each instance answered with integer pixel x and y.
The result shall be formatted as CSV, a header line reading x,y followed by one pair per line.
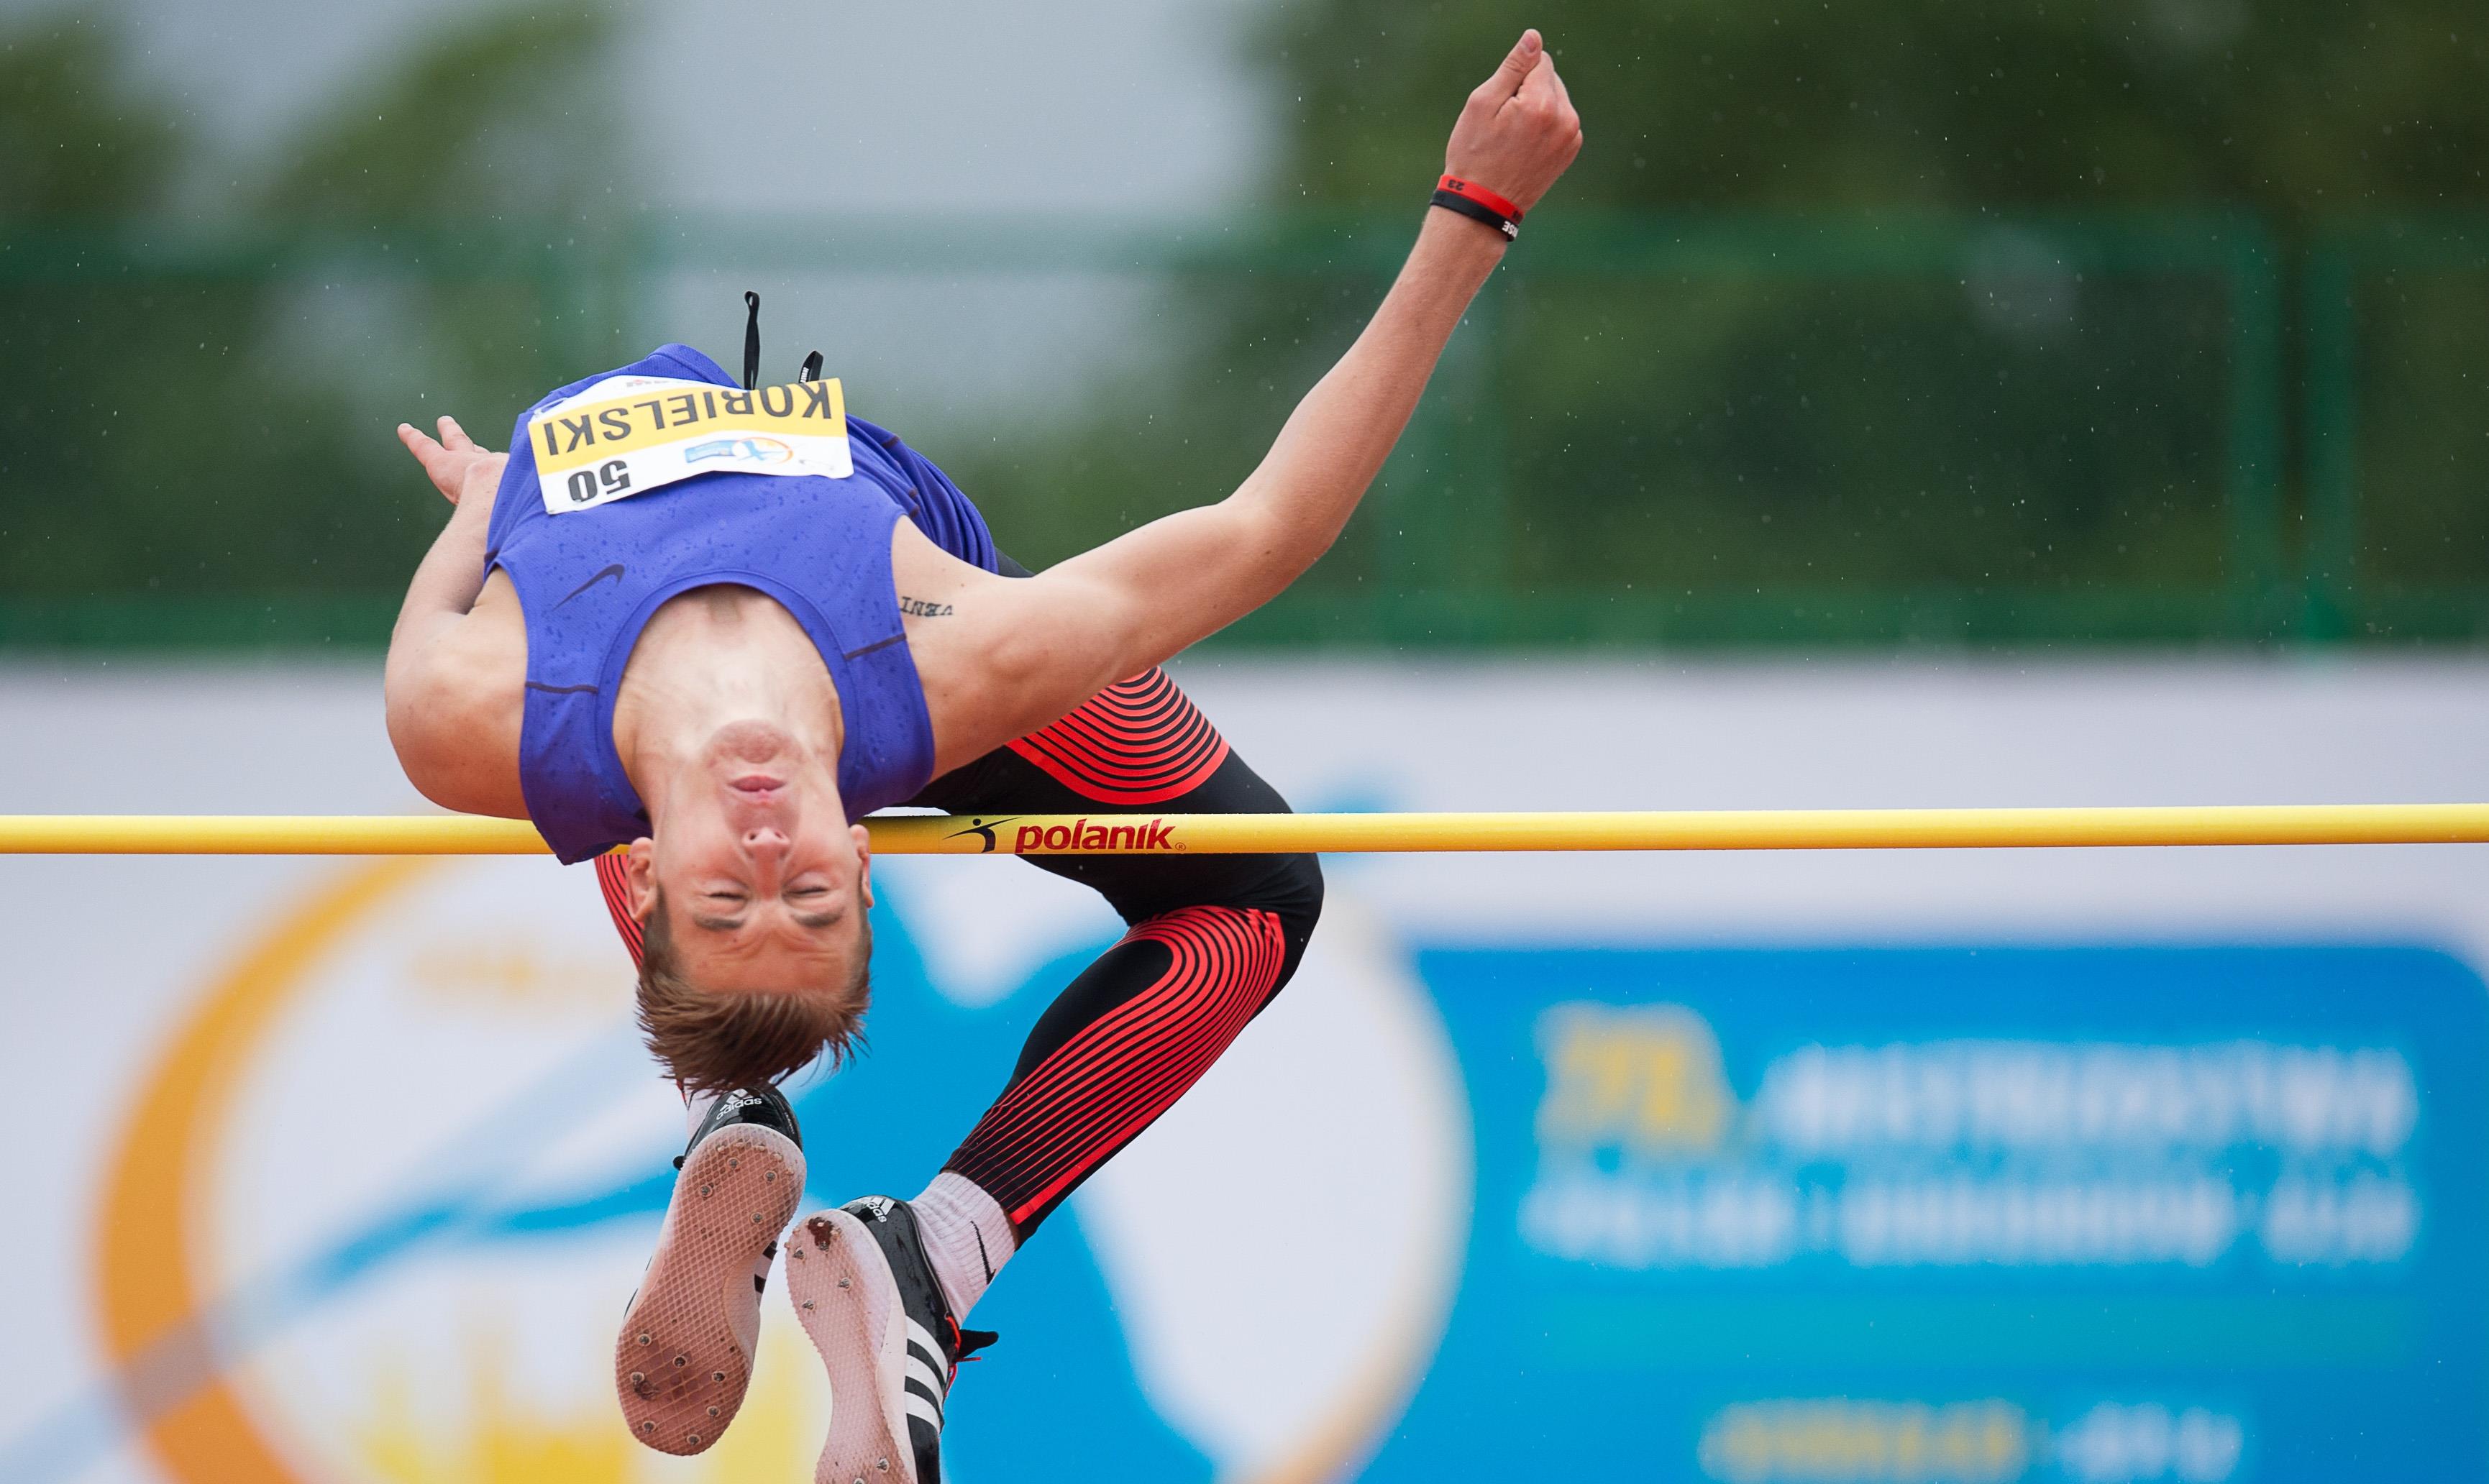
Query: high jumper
x,y
708,627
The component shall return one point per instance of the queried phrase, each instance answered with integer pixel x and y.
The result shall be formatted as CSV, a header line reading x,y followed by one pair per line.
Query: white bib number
x,y
628,434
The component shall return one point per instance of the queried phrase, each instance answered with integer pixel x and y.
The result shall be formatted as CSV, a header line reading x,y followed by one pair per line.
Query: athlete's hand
x,y
1518,130
464,471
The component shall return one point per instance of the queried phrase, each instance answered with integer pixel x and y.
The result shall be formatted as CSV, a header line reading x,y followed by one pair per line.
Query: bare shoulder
x,y
998,657
456,699
951,611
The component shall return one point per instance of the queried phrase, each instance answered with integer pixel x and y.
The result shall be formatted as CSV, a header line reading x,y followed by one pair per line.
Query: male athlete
x,y
708,629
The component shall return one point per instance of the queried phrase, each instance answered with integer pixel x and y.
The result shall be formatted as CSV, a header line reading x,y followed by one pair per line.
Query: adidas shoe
x,y
684,1356
866,1292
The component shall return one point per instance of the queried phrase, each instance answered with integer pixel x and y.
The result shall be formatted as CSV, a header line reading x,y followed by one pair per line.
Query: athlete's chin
x,y
751,742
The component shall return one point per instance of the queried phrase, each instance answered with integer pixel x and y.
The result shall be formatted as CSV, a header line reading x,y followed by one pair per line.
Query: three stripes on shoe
x,y
929,1384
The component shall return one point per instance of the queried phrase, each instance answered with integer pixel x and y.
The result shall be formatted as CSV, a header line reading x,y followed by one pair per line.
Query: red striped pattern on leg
x,y
615,878
1106,1084
1141,741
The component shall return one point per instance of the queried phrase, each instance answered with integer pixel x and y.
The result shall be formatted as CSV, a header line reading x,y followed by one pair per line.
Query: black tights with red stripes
x,y
1212,939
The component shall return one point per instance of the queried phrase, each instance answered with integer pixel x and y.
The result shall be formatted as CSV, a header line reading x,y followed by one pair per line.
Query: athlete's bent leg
x,y
881,1285
1212,939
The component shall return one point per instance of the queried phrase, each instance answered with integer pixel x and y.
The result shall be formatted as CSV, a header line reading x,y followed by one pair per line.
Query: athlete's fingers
x,y
1553,98
1509,73
1539,87
452,436
1520,141
439,463
1563,94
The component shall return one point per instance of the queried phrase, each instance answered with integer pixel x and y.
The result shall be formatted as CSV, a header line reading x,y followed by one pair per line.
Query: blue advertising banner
x,y
1979,1215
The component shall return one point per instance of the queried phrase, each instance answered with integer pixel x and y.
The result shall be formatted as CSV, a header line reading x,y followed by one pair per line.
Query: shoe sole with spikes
x,y
848,1304
683,1359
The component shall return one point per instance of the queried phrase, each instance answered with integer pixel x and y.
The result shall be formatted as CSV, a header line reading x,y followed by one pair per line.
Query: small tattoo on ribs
x,y
918,608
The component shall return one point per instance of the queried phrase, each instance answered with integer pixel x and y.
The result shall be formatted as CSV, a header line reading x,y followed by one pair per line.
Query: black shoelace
x,y
812,371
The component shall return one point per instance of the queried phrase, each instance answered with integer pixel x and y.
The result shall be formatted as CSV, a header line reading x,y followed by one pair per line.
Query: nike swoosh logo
x,y
614,571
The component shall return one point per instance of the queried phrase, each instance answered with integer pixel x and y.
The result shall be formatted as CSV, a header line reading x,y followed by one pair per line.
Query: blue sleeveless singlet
x,y
587,582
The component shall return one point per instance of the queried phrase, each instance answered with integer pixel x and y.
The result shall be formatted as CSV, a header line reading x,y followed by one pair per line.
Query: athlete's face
x,y
765,881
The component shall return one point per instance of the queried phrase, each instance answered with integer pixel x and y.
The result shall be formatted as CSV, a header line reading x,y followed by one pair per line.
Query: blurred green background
x,y
2156,321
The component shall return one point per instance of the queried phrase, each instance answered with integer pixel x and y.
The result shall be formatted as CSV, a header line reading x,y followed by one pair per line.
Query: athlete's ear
x,y
863,839
639,875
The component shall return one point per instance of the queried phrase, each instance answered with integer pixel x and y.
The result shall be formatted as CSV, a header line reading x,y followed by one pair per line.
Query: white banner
x,y
342,1171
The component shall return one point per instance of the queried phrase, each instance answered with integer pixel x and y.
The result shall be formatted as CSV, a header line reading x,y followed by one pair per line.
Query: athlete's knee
x,y
1301,896
1294,894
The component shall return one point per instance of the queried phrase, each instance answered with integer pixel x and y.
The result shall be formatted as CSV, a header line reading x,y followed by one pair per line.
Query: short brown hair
x,y
722,1043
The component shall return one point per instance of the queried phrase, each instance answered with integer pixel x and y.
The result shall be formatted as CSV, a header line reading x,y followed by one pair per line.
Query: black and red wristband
x,y
1478,204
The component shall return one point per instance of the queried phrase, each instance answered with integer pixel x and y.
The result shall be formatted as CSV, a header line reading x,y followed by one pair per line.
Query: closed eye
x,y
728,919
811,892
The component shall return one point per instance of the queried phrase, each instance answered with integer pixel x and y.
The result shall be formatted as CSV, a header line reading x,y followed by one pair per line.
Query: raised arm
x,y
452,573
1141,598
437,706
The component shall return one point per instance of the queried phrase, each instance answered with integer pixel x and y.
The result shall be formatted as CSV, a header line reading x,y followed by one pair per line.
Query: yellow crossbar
x,y
1766,829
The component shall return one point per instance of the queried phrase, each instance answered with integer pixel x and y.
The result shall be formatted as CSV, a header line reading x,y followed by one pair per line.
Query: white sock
x,y
966,1236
